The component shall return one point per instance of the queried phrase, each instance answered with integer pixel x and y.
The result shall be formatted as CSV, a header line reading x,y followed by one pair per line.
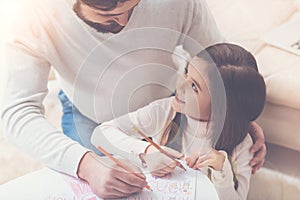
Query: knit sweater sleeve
x,y
239,164
22,116
118,136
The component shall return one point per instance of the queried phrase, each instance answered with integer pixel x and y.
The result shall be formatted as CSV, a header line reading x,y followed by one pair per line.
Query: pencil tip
x,y
149,188
134,128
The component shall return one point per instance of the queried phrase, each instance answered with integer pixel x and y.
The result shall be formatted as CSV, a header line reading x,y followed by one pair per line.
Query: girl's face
x,y
192,94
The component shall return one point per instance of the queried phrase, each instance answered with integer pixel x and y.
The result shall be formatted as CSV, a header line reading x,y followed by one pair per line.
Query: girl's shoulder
x,y
247,141
243,147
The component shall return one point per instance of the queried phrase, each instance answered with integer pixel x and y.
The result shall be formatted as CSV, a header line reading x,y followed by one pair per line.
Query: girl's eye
x,y
194,87
185,70
185,74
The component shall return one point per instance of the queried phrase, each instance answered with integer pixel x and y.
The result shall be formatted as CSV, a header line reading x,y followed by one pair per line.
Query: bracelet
x,y
142,156
147,148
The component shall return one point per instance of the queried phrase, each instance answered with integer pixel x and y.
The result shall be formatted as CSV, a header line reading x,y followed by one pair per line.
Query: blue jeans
x,y
75,125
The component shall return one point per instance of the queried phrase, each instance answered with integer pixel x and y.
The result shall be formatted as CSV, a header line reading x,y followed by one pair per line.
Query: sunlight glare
x,y
9,8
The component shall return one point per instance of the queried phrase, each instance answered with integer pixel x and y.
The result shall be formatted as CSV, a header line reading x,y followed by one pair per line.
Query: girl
x,y
207,121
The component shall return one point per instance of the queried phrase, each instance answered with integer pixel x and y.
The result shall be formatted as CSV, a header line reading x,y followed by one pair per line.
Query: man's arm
x,y
25,125
23,113
23,117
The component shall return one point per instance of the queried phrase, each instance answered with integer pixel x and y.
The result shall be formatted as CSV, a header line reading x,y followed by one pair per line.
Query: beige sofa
x,y
281,120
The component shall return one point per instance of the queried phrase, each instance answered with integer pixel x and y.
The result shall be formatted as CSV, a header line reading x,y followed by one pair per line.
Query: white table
x,y
47,184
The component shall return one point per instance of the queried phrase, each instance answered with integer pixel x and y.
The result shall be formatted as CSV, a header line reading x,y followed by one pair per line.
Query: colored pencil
x,y
119,163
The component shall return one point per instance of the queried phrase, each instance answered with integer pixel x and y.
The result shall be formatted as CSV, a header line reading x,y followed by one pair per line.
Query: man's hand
x,y
158,163
259,147
108,180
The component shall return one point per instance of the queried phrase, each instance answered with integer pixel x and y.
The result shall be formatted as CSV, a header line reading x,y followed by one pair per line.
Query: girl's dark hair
x,y
245,91
245,94
105,5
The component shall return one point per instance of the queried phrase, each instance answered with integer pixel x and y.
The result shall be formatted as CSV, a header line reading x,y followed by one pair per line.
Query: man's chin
x,y
104,28
116,30
108,30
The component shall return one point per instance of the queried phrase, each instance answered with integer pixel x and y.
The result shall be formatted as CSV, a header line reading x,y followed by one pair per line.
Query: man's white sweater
x,y
104,75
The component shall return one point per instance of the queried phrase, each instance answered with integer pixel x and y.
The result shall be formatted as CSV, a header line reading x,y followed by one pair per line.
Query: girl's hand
x,y
158,163
214,159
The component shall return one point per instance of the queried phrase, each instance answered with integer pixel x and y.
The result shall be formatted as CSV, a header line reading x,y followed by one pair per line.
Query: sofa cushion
x,y
281,71
281,125
245,21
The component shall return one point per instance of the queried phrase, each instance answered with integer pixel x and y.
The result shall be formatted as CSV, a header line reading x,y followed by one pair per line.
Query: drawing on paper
x,y
168,186
80,188
179,185
81,191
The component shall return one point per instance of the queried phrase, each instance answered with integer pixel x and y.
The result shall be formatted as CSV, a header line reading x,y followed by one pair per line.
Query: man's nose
x,y
122,19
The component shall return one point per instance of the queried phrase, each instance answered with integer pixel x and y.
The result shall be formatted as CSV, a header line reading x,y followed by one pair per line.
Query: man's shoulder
x,y
50,13
48,7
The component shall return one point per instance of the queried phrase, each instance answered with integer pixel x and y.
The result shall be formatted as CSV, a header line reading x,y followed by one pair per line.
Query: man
x,y
110,57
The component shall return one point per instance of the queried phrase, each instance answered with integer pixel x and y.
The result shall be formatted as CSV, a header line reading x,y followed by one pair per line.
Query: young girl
x,y
206,121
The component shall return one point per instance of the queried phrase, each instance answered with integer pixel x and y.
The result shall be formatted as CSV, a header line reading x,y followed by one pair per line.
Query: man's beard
x,y
112,27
